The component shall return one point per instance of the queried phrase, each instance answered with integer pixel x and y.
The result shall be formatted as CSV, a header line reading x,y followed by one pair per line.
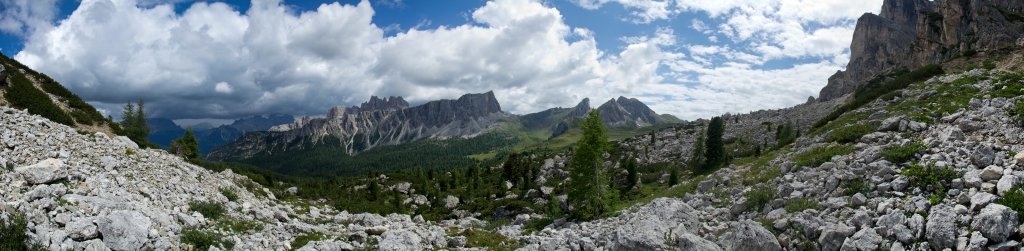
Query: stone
x,y
858,200
996,222
833,236
940,230
292,190
124,230
981,199
1019,159
983,155
326,246
865,239
376,230
81,229
688,241
1006,183
977,242
991,173
706,185
892,124
749,235
647,228
95,245
44,171
400,240
951,134
1005,246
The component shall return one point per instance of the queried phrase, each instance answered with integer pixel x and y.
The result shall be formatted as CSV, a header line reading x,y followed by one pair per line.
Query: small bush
x,y
855,186
301,240
14,234
231,195
239,226
1017,111
801,204
930,177
209,209
850,134
536,225
815,157
203,240
758,198
901,154
1014,199
488,240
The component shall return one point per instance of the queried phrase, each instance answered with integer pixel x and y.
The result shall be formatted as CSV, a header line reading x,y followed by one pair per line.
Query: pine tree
x,y
133,123
631,173
586,188
697,153
186,146
673,177
715,147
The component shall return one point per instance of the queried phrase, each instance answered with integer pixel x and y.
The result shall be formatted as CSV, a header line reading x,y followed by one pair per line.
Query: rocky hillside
x,y
908,34
23,88
163,131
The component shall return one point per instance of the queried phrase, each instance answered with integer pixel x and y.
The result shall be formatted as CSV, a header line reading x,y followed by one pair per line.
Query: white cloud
x,y
223,87
25,17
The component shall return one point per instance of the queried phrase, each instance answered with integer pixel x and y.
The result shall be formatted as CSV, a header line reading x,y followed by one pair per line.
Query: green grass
x,y
1017,111
209,209
536,225
843,120
817,156
929,177
203,240
854,186
757,198
948,98
851,133
878,87
801,204
301,240
489,240
239,226
1014,199
22,94
901,154
228,193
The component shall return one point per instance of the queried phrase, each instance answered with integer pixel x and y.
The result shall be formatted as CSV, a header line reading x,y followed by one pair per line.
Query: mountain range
x,y
163,131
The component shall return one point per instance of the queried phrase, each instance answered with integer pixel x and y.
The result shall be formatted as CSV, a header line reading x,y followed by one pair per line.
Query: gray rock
x,y
749,235
1005,246
1006,183
124,230
688,241
833,236
706,185
81,229
648,227
400,240
991,173
94,245
327,246
865,239
981,199
451,202
983,155
951,134
941,227
996,222
45,171
977,242
858,200
892,124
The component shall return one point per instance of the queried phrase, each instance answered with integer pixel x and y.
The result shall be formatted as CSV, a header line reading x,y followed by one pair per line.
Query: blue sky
x,y
230,59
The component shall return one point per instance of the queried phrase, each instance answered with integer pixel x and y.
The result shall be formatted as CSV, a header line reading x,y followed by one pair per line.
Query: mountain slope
x,y
24,88
163,131
908,34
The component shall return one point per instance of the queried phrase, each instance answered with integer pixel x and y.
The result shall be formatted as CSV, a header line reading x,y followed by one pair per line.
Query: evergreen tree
x,y
133,123
714,146
697,153
186,146
585,188
673,177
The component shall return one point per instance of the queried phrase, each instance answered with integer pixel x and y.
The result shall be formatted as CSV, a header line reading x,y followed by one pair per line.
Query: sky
x,y
230,59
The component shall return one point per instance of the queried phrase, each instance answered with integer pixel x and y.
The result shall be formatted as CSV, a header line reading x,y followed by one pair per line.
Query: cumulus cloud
x,y
24,17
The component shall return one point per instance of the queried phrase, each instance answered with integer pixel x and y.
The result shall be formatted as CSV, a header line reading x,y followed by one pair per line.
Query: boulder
x,y
400,240
996,222
647,228
749,235
983,155
865,239
45,171
688,241
991,173
451,202
892,124
977,242
940,229
81,229
124,230
1006,183
832,237
327,246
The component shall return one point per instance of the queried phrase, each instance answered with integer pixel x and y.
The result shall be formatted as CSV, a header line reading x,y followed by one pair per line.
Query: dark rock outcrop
x,y
912,33
375,123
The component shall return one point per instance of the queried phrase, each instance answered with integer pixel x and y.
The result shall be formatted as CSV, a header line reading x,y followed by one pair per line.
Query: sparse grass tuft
x,y
1014,199
815,157
231,195
14,234
854,186
209,209
301,240
902,154
850,134
488,240
930,177
801,204
203,240
759,197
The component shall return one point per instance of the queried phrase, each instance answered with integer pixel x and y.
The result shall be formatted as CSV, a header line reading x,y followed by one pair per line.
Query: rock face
x,y
627,112
375,123
996,222
912,33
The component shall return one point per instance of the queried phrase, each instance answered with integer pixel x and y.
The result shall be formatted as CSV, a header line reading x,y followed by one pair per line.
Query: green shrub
x,y
850,134
815,157
489,240
209,209
1017,111
536,225
203,240
930,177
801,204
239,226
901,154
878,87
855,186
1014,199
231,195
21,93
301,240
759,197
14,234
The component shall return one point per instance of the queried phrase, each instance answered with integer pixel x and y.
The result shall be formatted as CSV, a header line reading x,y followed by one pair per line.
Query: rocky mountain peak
x,y
388,103
627,112
908,34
